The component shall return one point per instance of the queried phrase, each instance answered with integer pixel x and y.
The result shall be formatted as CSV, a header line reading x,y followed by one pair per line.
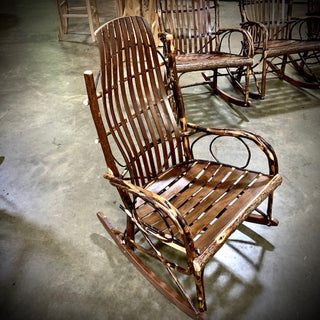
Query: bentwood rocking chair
x,y
201,45
169,196
282,41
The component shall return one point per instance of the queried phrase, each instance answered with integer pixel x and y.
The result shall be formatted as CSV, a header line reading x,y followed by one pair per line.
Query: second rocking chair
x,y
201,45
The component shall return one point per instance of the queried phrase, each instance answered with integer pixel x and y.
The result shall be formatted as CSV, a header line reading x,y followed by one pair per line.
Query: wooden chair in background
x,y
282,41
65,12
169,196
201,45
313,7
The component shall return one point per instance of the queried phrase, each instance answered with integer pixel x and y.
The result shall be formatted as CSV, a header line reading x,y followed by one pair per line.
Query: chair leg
x,y
263,78
264,217
272,221
60,16
66,19
95,13
88,5
198,278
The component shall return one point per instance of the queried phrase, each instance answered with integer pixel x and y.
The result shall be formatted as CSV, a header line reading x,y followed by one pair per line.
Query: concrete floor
x,y
56,260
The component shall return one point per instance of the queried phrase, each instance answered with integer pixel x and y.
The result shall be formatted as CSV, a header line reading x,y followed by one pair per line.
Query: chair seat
x,y
213,199
280,47
206,61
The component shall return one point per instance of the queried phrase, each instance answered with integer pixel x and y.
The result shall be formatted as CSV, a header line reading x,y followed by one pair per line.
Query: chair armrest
x,y
242,134
225,41
305,28
163,206
259,33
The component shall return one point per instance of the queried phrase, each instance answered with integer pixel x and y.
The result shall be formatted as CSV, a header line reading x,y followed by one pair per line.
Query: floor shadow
x,y
44,276
202,107
231,278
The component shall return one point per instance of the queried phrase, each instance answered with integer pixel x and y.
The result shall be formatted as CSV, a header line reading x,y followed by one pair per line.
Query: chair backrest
x,y
189,21
138,110
313,7
272,13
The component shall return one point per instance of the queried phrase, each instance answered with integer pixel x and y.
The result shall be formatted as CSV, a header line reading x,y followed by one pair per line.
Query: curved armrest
x,y
163,206
247,43
238,133
305,28
259,34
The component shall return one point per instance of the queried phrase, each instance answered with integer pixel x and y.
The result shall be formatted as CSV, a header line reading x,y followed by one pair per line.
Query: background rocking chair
x,y
201,45
169,196
282,41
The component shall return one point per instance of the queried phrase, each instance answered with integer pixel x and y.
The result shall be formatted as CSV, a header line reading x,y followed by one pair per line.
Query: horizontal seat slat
x,y
232,193
235,214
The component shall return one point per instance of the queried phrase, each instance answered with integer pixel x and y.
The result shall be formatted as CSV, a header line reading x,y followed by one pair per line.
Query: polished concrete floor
x,y
56,260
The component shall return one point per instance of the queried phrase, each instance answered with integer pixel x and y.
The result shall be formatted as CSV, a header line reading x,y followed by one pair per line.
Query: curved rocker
x,y
180,209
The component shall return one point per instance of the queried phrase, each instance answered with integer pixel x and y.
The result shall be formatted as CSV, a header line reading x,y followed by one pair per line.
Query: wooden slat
x,y
209,193
232,192
179,183
231,214
200,184
190,202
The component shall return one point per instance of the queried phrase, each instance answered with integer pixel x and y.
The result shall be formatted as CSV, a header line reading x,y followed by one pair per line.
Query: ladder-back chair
x,y
282,41
65,11
201,45
169,196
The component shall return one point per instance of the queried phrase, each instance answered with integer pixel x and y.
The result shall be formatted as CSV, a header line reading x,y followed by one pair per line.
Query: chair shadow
x,y
229,290
43,276
202,107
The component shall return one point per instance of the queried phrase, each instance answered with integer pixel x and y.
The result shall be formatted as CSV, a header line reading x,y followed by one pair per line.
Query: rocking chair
x,y
282,41
201,45
169,196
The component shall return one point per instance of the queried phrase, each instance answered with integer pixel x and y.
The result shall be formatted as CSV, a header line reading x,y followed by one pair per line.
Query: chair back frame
x,y
137,108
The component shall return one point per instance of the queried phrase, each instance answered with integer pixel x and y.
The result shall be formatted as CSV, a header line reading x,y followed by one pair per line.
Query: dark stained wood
x,y
282,41
201,45
169,195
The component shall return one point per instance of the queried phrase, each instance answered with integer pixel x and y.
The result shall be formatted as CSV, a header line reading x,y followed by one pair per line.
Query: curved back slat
x,y
189,21
137,108
274,14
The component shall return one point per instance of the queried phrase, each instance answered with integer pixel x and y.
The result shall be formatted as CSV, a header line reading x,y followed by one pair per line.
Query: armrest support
x,y
238,133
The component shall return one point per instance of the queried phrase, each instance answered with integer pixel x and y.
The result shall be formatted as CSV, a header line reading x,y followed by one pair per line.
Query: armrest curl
x,y
163,207
243,134
259,33
225,34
